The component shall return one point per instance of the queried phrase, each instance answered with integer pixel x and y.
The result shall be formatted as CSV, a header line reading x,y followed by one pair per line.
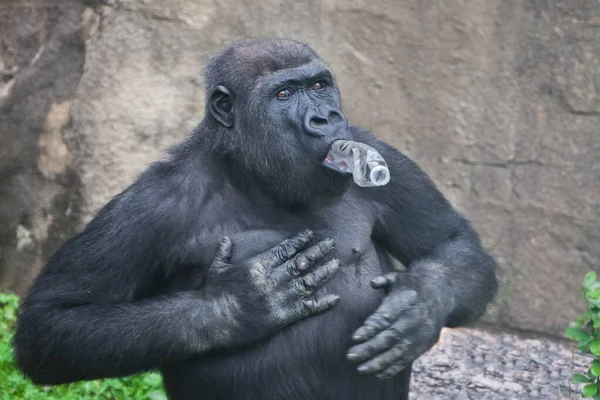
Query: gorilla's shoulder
x,y
172,183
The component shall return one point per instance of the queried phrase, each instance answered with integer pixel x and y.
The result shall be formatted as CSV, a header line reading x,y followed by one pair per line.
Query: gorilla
x,y
243,269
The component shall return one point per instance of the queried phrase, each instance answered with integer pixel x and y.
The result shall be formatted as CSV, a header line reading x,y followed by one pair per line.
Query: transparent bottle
x,y
367,166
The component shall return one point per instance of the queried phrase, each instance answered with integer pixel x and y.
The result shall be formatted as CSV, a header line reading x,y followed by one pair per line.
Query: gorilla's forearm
x,y
449,286
464,272
420,227
57,344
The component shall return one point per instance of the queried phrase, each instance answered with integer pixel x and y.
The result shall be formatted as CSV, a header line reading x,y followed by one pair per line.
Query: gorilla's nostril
x,y
335,118
316,122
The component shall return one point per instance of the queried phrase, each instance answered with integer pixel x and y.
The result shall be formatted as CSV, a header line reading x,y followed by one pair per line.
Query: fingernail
x,y
363,368
351,356
333,298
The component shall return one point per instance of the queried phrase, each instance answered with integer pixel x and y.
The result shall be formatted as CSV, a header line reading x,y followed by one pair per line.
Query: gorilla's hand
x,y
406,325
273,289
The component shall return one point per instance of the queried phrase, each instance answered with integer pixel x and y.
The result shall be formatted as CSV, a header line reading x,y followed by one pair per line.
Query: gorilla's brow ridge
x,y
314,68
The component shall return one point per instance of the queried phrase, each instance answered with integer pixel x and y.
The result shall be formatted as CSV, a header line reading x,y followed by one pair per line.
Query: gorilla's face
x,y
282,112
303,110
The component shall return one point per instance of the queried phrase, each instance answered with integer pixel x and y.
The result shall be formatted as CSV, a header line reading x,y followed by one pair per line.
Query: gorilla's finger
x,y
391,371
223,254
372,326
386,314
369,349
312,307
314,254
308,284
285,250
384,281
304,261
385,360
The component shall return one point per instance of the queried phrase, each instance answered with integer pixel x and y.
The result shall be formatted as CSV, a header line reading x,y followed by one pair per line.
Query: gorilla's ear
x,y
221,106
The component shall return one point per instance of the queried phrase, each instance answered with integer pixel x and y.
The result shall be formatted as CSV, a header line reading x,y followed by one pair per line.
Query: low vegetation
x,y
586,331
13,385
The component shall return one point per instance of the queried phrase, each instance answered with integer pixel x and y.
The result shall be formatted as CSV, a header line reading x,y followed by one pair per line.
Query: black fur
x,y
125,294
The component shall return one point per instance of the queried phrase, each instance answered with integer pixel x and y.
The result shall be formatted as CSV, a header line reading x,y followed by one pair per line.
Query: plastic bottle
x,y
367,166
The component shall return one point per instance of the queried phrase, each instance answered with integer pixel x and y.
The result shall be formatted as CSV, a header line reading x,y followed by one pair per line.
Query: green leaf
x,y
577,334
595,368
580,378
593,294
595,347
590,390
597,396
589,279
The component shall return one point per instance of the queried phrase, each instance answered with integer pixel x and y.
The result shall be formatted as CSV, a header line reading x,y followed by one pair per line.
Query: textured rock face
x,y
497,101
41,59
481,365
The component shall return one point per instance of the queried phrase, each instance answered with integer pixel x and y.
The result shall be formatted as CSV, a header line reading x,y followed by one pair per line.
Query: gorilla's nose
x,y
323,123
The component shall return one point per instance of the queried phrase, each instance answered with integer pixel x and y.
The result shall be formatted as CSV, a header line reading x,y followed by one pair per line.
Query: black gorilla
x,y
151,283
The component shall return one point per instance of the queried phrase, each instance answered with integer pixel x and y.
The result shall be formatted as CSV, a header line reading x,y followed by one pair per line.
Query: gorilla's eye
x,y
283,94
319,85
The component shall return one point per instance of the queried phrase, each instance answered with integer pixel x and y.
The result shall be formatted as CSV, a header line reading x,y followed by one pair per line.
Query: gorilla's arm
x,y
450,278
421,228
102,306
87,315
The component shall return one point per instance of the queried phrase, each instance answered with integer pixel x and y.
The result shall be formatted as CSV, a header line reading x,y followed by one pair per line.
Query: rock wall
x,y
497,101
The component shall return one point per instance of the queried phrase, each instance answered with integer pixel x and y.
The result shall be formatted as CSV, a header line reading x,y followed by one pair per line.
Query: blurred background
x,y
497,100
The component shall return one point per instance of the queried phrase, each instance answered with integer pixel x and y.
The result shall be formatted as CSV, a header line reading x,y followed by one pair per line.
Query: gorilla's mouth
x,y
337,159
337,165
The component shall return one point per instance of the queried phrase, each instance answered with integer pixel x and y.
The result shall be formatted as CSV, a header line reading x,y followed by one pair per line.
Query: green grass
x,y
13,385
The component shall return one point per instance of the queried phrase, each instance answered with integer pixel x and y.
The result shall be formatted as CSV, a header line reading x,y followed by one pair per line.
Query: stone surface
x,y
497,100
41,58
470,364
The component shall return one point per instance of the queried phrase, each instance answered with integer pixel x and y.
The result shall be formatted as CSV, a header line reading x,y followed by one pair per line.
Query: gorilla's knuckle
x,y
385,319
397,352
295,244
326,271
279,256
390,337
311,281
307,307
292,270
301,287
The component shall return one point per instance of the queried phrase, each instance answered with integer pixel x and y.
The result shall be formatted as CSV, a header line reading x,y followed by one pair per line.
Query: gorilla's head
x,y
273,108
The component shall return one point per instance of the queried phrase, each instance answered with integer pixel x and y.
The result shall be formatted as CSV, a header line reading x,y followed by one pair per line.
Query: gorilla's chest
x,y
350,224
310,353
345,222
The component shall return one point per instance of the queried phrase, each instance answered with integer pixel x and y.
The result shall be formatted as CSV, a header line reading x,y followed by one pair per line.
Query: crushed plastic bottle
x,y
367,166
